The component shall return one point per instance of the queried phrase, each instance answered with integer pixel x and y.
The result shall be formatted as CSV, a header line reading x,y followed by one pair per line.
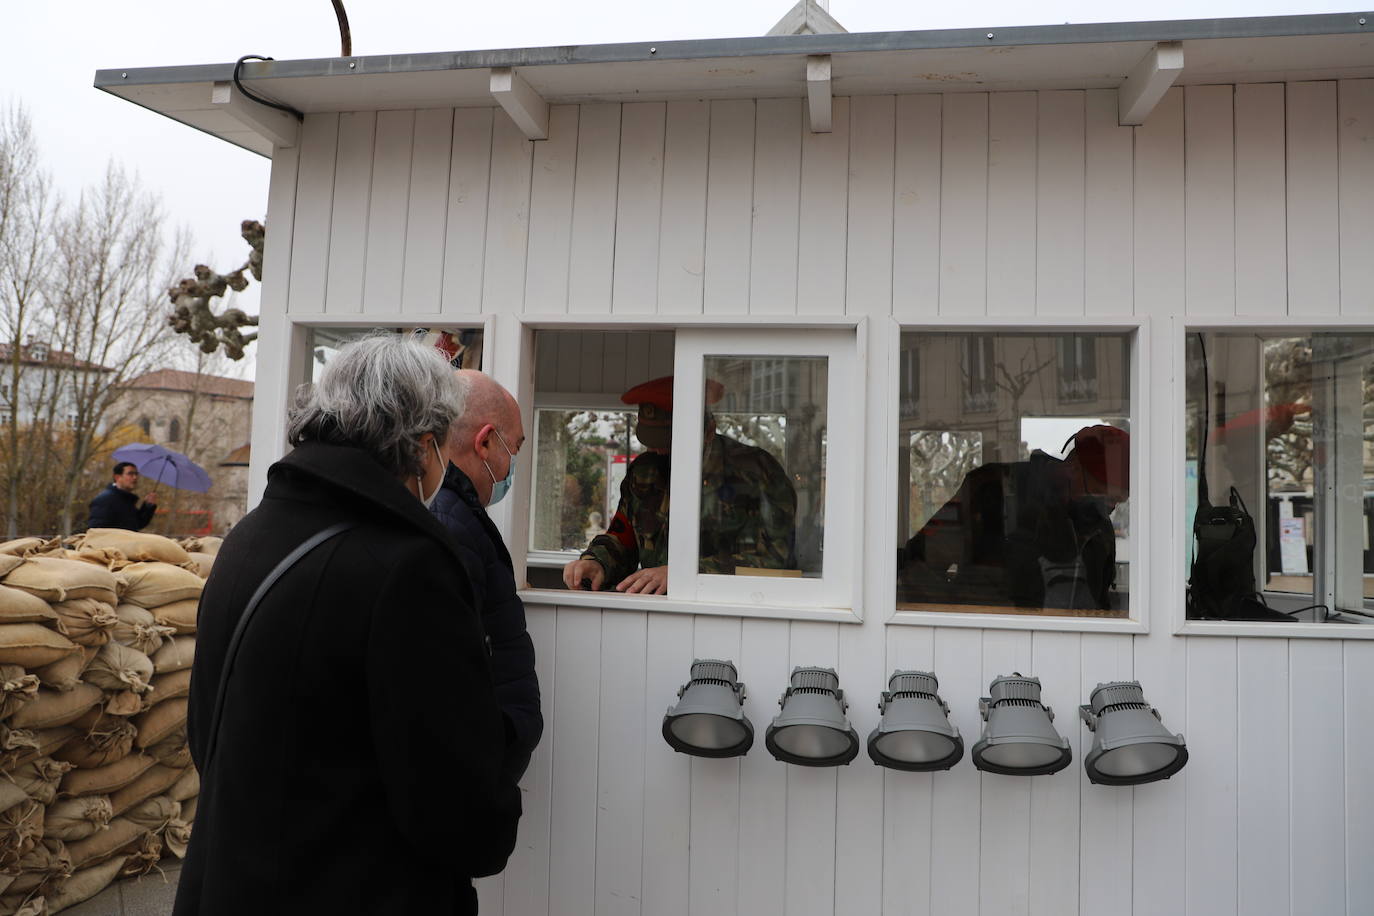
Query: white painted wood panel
x,y
1263,725
1104,849
729,206
811,839
1012,215
821,245
682,238
312,217
667,774
956,809
1317,755
1210,211
777,202
1004,845
963,204
527,873
590,264
638,208
1107,208
1355,105
349,217
388,212
469,186
1313,209
1056,658
508,218
426,212
916,207
1261,205
1359,789
1159,209
715,825
1210,879
620,764
764,668
551,207
1060,203
868,273
907,797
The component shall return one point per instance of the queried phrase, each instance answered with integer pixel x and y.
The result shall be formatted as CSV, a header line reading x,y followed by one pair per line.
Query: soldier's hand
x,y
578,570
651,581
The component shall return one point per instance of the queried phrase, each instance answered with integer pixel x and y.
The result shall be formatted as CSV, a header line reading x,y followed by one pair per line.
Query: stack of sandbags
x,y
97,636
202,551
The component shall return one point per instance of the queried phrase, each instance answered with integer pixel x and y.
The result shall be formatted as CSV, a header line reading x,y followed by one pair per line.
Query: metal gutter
x,y
706,49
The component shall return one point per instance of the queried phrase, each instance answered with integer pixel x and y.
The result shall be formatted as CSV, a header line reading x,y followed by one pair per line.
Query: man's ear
x,y
481,442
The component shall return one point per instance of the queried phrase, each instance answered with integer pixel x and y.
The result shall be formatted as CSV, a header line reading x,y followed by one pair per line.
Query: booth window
x,y
1013,478
1279,476
463,346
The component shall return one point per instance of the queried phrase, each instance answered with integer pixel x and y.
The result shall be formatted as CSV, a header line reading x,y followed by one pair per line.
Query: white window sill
x,y
663,604
1013,621
1275,628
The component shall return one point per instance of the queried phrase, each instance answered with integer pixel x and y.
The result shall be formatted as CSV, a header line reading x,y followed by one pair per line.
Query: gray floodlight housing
x,y
915,733
1018,735
812,729
709,719
1131,746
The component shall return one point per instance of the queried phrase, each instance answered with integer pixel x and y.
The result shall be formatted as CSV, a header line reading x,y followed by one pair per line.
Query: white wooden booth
x,y
624,204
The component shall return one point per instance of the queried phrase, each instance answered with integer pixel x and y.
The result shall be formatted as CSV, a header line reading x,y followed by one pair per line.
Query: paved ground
x,y
150,895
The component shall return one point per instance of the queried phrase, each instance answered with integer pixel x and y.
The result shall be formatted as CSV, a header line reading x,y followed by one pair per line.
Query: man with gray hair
x,y
487,437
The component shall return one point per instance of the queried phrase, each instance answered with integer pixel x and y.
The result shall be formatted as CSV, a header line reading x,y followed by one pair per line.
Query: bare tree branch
x,y
191,297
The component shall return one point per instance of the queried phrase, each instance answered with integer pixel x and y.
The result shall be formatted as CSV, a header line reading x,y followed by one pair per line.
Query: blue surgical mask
x,y
499,488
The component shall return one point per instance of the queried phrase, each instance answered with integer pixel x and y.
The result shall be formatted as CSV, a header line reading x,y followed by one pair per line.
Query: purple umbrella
x,y
163,465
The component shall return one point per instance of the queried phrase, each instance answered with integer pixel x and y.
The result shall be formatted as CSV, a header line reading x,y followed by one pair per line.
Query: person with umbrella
x,y
118,506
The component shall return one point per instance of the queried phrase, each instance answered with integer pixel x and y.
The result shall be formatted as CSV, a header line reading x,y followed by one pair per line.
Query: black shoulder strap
x,y
264,587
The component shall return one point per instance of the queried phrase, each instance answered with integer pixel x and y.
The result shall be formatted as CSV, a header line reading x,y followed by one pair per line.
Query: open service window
x,y
462,345
1014,483
1279,477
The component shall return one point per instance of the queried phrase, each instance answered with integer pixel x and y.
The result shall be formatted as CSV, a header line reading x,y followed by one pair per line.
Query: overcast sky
x,y
53,50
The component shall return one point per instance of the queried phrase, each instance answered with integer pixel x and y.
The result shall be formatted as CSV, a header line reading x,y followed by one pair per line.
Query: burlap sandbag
x,y
65,673
169,686
85,621
18,606
100,846
141,856
188,809
32,645
43,869
179,615
111,739
155,781
8,562
11,794
107,779
52,708
39,778
20,546
19,746
21,826
152,585
204,563
187,787
16,688
160,721
176,837
172,751
119,667
177,653
77,818
54,579
206,544
107,557
154,813
138,629
136,545
84,884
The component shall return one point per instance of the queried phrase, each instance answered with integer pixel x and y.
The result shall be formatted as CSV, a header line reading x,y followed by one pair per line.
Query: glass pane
x,y
763,466
1278,464
1014,473
580,459
462,346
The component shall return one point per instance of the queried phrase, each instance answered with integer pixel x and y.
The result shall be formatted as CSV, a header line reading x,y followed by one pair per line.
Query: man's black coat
x,y
359,762
116,508
503,614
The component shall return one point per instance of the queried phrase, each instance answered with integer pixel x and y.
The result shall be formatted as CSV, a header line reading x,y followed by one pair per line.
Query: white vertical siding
x,y
1250,200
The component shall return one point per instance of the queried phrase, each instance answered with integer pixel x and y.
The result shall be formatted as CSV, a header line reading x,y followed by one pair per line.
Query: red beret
x,y
1105,453
659,392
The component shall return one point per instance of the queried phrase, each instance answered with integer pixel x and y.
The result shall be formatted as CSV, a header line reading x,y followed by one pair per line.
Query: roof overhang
x,y
1088,56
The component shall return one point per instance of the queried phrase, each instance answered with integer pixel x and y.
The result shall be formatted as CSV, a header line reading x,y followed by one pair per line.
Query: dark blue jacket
x,y
116,508
503,614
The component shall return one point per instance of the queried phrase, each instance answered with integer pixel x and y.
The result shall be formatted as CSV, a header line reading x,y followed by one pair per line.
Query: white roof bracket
x,y
1147,82
278,127
525,106
818,92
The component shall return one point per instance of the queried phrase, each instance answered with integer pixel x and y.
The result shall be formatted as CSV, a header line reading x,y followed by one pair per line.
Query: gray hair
x,y
380,393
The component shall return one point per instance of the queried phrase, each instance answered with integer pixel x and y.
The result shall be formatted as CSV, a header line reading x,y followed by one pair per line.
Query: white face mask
x,y
420,480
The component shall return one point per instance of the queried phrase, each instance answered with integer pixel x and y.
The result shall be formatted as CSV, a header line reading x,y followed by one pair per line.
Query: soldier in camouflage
x,y
748,506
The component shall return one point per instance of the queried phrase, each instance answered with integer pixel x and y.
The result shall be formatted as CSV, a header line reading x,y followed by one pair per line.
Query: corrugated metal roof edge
x,y
705,49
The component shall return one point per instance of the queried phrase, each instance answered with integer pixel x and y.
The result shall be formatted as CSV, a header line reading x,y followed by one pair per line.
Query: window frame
x,y
516,361
1177,577
1142,590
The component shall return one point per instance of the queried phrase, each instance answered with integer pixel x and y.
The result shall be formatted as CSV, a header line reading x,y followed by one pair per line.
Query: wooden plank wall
x,y
1255,200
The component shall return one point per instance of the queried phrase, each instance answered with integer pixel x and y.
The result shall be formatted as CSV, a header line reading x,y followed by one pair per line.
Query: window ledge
x,y
1277,629
612,601
983,621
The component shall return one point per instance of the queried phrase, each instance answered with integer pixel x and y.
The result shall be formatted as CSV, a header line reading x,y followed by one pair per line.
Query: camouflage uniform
x,y
748,512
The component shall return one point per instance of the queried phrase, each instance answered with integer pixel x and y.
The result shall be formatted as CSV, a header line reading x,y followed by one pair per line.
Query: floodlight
x,y
812,729
915,732
1018,735
709,720
1130,744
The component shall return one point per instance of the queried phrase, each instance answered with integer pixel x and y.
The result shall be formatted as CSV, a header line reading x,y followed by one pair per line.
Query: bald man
x,y
487,437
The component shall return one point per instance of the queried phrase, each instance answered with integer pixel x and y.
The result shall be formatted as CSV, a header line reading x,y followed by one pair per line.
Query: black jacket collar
x,y
356,472
459,482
